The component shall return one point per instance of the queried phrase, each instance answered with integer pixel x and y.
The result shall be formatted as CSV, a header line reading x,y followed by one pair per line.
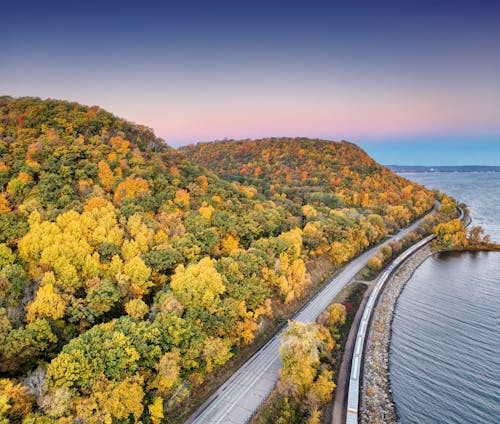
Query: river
x,y
445,346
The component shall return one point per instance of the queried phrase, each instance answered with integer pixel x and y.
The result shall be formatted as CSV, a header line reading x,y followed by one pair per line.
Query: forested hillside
x,y
130,271
314,179
336,174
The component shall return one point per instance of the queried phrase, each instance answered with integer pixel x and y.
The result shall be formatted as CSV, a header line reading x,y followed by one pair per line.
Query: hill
x,y
130,272
315,172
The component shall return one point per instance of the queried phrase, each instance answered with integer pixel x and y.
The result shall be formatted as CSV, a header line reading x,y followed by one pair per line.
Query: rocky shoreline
x,y
376,400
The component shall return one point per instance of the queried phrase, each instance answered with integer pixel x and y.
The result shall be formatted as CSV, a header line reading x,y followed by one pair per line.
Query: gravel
x,y
377,405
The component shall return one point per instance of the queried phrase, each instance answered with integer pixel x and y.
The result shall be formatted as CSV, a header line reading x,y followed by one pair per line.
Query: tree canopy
x,y
131,271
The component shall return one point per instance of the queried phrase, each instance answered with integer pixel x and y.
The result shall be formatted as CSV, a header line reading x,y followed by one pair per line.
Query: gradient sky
x,y
411,82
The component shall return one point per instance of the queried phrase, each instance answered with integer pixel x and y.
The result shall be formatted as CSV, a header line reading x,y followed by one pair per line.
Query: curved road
x,y
238,398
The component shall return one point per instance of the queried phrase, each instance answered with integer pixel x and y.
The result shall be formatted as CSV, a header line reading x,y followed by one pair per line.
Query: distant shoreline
x,y
433,169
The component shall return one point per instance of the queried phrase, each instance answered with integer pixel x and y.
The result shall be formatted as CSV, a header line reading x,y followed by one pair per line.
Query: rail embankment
x,y
376,399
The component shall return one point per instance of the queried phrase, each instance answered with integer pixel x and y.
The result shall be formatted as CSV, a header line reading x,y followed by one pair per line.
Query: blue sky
x,y
411,82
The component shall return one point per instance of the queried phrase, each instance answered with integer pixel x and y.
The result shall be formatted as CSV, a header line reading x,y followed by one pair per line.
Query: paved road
x,y
237,399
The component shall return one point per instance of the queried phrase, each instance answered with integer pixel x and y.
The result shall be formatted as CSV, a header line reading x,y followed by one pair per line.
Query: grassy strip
x,y
351,297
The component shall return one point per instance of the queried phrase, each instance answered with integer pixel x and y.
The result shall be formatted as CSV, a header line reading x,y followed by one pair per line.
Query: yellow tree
x,y
156,410
399,214
112,401
198,285
122,399
47,304
136,308
140,232
63,245
6,256
319,394
4,203
131,188
293,239
313,237
168,373
17,403
216,352
299,351
451,234
374,263
293,278
206,211
229,245
100,220
309,212
119,144
202,181
139,275
105,175
335,315
182,198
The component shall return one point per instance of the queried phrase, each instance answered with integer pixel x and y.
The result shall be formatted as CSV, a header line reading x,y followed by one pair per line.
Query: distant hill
x,y
464,168
308,171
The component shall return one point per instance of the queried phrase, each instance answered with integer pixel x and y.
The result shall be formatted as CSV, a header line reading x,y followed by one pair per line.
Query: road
x,y
238,398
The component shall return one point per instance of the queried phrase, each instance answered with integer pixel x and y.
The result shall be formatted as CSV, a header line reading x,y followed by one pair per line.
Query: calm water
x,y
445,348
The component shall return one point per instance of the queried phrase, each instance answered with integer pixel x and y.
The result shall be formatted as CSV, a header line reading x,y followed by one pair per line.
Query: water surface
x,y
445,347
479,190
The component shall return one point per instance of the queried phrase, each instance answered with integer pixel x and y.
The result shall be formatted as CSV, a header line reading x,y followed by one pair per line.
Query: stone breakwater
x,y
376,400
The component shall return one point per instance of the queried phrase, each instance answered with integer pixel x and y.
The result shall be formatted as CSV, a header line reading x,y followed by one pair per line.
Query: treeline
x,y
453,233
313,172
129,272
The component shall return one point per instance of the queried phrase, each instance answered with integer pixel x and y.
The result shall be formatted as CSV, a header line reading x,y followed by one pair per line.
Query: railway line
x,y
242,394
353,396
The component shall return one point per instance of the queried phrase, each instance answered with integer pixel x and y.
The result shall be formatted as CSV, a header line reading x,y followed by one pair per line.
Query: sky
x,y
412,82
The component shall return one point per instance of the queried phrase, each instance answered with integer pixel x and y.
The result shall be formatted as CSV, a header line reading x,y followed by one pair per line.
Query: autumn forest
x,y
130,271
